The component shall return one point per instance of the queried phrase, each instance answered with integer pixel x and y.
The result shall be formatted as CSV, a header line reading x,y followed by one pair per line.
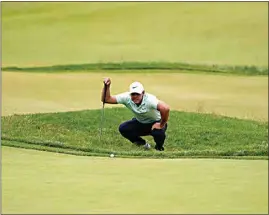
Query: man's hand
x,y
105,96
157,125
107,81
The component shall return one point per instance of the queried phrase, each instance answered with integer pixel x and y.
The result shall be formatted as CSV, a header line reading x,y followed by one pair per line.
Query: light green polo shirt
x,y
146,112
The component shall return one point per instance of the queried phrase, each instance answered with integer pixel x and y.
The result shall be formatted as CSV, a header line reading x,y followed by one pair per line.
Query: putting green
x,y
237,96
49,33
42,182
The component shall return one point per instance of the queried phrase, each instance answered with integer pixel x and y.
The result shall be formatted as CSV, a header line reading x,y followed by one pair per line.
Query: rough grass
x,y
221,33
189,134
142,66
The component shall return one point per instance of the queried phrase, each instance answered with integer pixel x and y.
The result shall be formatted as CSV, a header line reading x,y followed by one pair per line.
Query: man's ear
x,y
143,92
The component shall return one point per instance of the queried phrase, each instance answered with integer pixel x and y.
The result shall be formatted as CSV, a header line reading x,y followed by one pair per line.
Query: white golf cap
x,y
136,87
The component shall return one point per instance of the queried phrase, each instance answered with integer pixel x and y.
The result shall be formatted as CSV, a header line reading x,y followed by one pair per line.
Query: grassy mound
x,y
142,66
188,135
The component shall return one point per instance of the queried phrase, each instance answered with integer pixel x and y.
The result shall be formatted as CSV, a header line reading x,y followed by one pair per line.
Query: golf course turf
x,y
65,184
207,60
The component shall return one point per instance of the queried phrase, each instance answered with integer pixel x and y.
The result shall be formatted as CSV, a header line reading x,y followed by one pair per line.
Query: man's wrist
x,y
162,123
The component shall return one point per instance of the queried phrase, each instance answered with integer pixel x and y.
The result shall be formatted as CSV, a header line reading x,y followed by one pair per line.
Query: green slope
x,y
188,135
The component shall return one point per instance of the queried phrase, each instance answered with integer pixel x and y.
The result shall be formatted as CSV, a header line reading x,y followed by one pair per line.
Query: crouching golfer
x,y
151,114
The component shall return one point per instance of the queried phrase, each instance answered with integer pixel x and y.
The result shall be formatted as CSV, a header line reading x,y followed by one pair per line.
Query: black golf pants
x,y
133,130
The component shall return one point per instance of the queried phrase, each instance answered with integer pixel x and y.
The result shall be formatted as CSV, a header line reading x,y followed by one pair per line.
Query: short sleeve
x,y
153,102
122,98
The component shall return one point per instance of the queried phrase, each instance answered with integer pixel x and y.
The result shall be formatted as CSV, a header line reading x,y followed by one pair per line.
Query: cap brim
x,y
136,91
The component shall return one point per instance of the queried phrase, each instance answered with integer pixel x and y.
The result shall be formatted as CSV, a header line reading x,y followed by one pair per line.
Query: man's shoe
x,y
147,146
159,148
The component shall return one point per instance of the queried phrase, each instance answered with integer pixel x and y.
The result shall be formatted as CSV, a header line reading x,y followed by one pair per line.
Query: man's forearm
x,y
164,116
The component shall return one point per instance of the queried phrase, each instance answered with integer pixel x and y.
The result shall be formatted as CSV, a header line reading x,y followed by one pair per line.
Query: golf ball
x,y
112,155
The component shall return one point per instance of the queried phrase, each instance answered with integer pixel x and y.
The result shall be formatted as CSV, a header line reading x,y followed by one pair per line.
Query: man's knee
x,y
159,133
123,128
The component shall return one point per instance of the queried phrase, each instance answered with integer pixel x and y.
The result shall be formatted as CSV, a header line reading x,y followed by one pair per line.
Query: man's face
x,y
136,97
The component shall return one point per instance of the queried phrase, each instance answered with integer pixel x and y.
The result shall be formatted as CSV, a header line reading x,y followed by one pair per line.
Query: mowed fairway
x,y
49,33
236,96
41,182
